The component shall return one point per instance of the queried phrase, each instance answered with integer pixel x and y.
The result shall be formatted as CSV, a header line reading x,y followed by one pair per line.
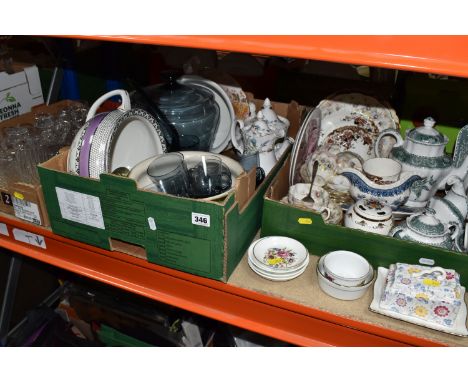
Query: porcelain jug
x,y
257,136
422,152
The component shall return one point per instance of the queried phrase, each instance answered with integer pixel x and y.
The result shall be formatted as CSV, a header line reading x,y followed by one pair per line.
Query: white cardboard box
x,y
19,91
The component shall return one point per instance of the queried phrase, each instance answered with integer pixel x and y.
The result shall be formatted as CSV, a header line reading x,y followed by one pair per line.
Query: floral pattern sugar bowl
x,y
431,294
370,215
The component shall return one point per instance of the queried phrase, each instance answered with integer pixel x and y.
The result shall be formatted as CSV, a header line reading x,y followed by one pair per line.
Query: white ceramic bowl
x,y
342,292
144,182
346,268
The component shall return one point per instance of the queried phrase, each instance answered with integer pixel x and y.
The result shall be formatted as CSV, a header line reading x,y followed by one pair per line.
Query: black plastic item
x,y
44,327
145,102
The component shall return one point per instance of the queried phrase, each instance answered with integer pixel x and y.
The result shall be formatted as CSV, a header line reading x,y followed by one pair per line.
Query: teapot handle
x,y
124,106
395,230
236,142
384,133
442,276
282,147
456,231
325,211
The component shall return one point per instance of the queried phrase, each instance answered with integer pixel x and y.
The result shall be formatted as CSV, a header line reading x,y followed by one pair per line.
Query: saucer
x,y
279,252
274,277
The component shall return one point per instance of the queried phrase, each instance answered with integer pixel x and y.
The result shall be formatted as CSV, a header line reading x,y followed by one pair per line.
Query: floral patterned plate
x,y
458,329
361,111
279,252
262,268
338,108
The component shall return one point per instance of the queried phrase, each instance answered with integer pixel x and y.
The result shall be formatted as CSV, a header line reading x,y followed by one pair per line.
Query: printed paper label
x,y
4,229
26,210
6,198
425,261
201,219
80,208
152,224
29,238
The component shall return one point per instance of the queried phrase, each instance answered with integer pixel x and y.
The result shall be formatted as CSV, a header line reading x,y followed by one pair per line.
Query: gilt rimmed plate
x,y
279,252
273,271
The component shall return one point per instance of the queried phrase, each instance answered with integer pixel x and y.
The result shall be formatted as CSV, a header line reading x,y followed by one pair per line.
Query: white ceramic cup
x,y
382,170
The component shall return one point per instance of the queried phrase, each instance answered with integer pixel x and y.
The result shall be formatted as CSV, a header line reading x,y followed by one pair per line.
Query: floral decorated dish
x,y
279,252
459,325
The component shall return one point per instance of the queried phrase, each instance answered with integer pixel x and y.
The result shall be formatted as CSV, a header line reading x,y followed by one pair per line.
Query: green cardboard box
x,y
206,238
319,238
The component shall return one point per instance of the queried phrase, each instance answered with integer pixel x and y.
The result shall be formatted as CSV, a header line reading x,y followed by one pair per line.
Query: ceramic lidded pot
x,y
369,215
192,111
425,228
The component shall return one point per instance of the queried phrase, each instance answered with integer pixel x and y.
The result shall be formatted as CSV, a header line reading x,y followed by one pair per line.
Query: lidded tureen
x,y
425,228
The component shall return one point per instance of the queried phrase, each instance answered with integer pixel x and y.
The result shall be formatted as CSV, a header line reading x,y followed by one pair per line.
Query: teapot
x,y
425,228
257,136
422,152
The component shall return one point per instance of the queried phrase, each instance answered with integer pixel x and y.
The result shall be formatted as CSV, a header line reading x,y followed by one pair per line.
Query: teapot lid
x,y
268,113
427,134
373,209
426,223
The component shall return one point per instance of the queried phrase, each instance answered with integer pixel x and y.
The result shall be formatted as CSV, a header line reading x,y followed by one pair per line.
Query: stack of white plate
x,y
278,258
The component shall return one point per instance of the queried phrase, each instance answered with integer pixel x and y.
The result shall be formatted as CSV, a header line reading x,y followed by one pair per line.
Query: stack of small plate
x,y
278,258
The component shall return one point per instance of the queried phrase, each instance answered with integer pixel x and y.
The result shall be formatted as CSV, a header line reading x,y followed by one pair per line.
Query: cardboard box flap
x,y
245,188
32,76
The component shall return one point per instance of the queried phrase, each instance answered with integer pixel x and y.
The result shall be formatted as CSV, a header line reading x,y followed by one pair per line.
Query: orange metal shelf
x,y
285,320
431,54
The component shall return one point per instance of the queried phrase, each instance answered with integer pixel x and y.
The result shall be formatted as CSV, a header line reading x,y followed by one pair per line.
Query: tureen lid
x,y
426,223
373,209
176,99
427,133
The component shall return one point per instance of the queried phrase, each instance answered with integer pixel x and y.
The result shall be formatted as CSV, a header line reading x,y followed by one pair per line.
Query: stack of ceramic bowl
x,y
344,275
278,258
